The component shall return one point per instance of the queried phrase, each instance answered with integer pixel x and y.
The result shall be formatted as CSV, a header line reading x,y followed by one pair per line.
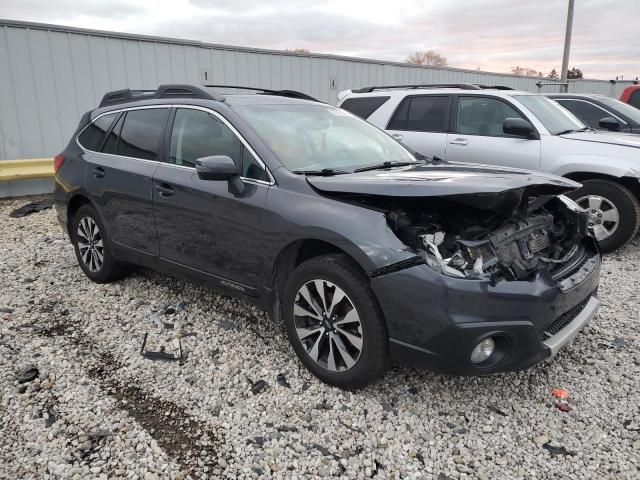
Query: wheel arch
x,y
74,204
631,183
294,254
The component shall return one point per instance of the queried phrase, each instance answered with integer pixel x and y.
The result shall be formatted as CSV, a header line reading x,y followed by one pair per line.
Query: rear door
x,y
477,135
119,177
201,224
421,122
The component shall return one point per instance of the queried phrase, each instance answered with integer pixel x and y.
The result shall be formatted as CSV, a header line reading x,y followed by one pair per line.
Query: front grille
x,y
565,319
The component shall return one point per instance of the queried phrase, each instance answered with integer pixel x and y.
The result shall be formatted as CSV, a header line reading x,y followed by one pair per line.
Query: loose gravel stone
x,y
98,409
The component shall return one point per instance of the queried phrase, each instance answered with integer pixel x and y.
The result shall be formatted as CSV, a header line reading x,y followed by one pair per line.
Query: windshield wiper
x,y
574,130
325,172
382,165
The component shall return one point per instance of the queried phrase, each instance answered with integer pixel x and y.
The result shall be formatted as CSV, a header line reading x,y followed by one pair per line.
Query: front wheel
x,y
614,212
334,323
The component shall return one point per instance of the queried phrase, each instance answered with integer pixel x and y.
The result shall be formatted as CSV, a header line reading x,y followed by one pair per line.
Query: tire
x,y
333,274
614,195
86,220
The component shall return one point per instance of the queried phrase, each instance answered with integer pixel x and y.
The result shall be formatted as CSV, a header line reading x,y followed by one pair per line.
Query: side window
x,y
587,112
483,116
92,136
424,113
198,134
251,168
111,143
141,133
635,98
399,119
363,106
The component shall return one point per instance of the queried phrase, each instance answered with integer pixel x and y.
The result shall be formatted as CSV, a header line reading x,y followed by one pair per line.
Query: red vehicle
x,y
631,95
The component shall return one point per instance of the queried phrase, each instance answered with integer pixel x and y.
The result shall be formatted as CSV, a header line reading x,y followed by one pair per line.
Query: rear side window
x,y
363,106
585,111
635,99
111,143
92,136
141,133
424,113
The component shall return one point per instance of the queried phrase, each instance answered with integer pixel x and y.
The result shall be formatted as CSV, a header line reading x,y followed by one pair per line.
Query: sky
x,y
492,35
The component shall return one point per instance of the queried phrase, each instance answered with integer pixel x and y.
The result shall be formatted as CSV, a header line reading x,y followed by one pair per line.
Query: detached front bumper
x,y
435,321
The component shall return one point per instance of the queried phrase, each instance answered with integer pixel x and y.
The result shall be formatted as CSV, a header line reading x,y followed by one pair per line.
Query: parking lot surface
x,y
240,405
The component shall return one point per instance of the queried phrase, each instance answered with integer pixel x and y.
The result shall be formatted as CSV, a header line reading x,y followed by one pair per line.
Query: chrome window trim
x,y
271,180
590,103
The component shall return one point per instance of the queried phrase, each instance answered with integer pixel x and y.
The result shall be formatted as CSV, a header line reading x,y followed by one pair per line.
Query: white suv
x,y
499,126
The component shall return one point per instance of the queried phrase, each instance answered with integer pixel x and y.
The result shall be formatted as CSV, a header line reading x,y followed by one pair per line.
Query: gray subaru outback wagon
x,y
366,251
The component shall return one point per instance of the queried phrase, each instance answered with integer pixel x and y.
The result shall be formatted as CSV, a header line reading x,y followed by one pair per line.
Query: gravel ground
x,y
98,409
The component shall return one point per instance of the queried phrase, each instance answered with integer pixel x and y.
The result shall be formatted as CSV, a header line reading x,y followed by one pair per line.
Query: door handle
x,y
459,141
164,190
397,136
98,172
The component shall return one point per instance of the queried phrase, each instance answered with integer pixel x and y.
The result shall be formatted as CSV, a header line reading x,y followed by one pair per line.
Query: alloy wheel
x,y
90,244
328,325
604,216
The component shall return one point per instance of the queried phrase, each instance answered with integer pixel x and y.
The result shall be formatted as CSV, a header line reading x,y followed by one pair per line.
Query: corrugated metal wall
x,y
50,75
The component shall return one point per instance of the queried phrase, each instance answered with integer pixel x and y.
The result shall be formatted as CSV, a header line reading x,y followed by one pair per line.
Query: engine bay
x,y
464,241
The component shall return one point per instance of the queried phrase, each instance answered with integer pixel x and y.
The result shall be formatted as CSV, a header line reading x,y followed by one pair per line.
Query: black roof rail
x,y
266,91
163,91
462,86
493,87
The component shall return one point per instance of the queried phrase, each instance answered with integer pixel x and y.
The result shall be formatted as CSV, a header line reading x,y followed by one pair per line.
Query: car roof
x,y
433,91
266,99
229,99
575,95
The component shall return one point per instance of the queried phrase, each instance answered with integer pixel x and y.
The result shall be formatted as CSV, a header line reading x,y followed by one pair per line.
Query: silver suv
x,y
500,126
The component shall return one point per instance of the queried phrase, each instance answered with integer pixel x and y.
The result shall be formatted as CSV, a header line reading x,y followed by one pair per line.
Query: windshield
x,y
552,115
624,108
317,137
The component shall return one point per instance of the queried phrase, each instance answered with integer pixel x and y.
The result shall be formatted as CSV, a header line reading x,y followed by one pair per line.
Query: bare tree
x,y
297,50
429,58
553,73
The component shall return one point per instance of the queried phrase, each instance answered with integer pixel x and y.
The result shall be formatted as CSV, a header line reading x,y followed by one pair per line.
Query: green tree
x,y
574,72
553,73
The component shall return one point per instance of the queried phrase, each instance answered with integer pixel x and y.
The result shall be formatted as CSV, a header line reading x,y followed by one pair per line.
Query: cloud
x,y
491,34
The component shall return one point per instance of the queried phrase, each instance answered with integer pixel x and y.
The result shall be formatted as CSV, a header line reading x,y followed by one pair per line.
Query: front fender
x,y
600,164
360,232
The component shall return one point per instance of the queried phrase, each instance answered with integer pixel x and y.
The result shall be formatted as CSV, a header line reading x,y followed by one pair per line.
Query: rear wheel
x,y
92,247
614,212
334,323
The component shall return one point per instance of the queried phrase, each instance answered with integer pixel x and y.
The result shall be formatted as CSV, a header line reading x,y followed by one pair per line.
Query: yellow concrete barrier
x,y
11,170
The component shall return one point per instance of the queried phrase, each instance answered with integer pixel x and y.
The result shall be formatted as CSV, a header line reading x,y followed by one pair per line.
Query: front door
x,y
478,136
200,223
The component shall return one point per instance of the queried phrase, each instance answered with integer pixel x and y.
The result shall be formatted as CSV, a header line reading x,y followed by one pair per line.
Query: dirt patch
x,y
191,443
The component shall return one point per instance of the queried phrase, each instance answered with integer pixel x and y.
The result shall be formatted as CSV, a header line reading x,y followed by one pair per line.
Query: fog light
x,y
483,350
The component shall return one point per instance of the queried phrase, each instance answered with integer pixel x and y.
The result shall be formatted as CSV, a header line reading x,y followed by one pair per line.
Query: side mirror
x,y
216,167
609,123
518,127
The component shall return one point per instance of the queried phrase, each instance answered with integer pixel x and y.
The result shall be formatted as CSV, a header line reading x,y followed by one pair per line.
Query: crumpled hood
x,y
425,180
609,138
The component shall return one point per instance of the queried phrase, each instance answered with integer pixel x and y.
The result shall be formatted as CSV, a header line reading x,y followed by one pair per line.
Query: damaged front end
x,y
507,236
